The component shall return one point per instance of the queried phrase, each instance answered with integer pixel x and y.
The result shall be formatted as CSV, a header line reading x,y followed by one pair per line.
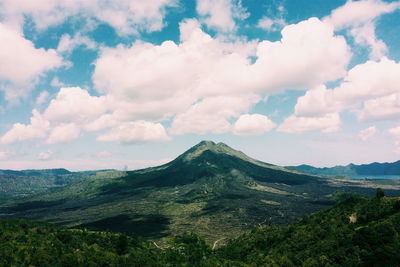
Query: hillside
x,y
357,232
16,184
372,169
211,189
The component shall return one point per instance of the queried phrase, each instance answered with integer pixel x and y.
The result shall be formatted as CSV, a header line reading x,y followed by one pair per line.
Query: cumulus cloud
x,y
202,83
367,133
327,124
127,17
221,14
71,110
252,124
135,132
212,114
308,54
316,102
74,104
372,84
21,63
382,108
202,67
37,128
64,133
358,17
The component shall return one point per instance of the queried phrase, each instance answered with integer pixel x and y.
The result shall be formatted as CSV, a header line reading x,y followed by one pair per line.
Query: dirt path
x,y
216,242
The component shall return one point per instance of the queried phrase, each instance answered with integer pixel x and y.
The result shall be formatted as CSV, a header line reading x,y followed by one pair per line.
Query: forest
x,y
358,231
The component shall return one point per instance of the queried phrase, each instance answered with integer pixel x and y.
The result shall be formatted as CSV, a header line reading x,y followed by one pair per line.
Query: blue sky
x,y
128,84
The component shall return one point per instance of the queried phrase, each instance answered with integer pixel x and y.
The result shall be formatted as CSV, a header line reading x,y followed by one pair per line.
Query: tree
x,y
380,193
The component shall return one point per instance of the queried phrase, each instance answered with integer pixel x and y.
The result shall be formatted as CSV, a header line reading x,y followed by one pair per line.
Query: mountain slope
x,y
211,189
15,184
357,232
372,169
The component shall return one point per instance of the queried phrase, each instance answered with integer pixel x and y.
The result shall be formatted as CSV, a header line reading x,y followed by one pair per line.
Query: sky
x,y
126,84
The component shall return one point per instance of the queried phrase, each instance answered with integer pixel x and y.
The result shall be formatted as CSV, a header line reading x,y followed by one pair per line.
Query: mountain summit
x,y
219,149
203,146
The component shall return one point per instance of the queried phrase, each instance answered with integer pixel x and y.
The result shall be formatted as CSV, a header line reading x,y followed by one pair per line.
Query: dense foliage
x,y
357,232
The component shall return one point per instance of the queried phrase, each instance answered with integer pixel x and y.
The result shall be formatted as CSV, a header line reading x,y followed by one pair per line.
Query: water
x,y
374,177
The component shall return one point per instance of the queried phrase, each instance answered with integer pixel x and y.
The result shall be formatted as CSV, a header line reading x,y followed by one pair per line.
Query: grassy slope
x,y
20,184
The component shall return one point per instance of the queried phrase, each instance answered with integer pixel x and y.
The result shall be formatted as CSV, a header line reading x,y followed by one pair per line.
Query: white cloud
x,y
126,17
55,82
382,108
252,124
367,133
316,102
183,74
43,96
201,67
359,18
64,133
37,128
365,35
21,63
45,155
374,83
212,114
68,43
327,124
74,104
135,132
359,12
269,24
221,14
104,121
308,54
394,131
202,83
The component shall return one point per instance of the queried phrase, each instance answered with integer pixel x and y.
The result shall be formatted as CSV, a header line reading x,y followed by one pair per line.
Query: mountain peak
x,y
218,148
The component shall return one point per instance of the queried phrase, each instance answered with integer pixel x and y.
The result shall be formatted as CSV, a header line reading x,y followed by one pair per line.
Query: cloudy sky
x,y
95,84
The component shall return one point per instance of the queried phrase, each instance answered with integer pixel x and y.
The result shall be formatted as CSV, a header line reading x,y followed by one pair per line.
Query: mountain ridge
x,y
375,168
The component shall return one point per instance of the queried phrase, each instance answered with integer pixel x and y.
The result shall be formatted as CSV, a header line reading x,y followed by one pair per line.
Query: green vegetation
x,y
356,232
211,190
19,184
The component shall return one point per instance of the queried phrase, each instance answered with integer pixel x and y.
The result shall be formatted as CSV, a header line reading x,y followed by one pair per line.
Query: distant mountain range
x,y
373,169
211,189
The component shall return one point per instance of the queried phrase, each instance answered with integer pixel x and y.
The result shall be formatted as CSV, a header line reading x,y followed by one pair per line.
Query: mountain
x,y
356,232
211,189
14,184
373,169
